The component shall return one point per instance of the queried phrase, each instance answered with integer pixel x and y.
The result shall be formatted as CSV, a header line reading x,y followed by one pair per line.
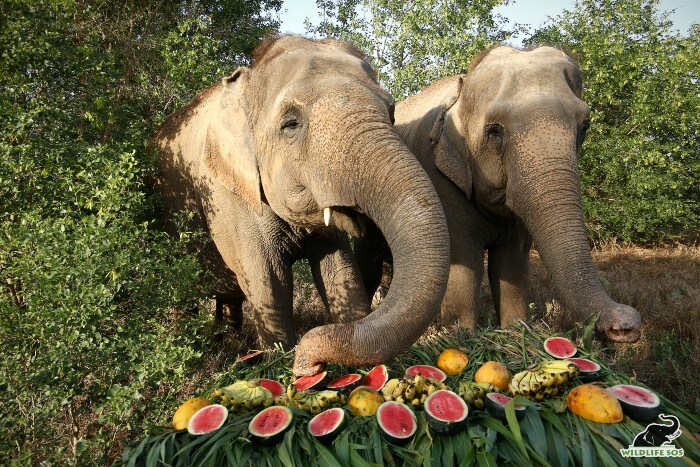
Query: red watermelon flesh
x,y
427,371
268,426
502,399
377,377
207,419
635,395
275,388
585,365
559,347
345,382
396,420
251,358
446,405
327,422
311,382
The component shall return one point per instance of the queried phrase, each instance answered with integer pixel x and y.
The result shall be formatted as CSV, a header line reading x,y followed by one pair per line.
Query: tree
x,y
640,163
87,280
414,43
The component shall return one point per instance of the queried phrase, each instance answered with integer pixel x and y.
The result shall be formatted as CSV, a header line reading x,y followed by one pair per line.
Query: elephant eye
x,y
494,135
290,123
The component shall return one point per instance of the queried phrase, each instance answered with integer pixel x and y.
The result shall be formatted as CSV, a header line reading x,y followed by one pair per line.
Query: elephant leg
x,y
371,250
337,277
461,302
509,265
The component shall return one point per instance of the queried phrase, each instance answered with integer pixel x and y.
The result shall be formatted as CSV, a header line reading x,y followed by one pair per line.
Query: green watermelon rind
x,y
329,437
270,438
498,410
441,425
348,386
392,437
639,412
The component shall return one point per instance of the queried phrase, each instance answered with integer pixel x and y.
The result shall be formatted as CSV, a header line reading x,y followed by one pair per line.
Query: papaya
x,y
594,403
493,373
364,401
452,361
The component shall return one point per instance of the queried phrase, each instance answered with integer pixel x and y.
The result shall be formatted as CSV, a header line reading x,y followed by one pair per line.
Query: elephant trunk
x,y
396,193
548,200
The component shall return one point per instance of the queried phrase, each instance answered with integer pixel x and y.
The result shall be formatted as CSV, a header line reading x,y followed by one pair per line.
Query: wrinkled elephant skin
x,y
281,161
501,146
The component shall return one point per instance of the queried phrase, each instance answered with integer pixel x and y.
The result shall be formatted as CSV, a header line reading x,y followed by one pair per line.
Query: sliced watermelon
x,y
346,382
327,425
426,371
268,426
588,369
559,347
207,419
275,388
314,382
397,423
376,378
446,412
496,406
637,402
252,358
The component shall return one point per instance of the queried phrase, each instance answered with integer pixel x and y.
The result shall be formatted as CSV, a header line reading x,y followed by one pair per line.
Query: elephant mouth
x,y
346,219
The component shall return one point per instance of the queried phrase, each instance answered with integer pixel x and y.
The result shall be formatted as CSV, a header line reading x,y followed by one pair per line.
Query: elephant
x,y
282,160
501,145
659,434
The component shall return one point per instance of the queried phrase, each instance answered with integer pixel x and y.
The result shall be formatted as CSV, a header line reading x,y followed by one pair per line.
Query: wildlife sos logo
x,y
655,440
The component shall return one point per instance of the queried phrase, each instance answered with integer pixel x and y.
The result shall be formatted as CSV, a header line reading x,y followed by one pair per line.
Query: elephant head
x,y
307,130
510,140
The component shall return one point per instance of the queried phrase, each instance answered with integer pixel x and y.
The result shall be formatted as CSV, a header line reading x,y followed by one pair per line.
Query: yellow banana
x,y
390,385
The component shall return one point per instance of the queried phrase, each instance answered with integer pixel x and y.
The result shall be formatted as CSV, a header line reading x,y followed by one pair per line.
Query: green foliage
x,y
640,164
89,284
414,43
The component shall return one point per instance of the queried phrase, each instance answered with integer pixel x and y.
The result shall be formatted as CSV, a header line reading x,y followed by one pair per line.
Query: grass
x,y
548,435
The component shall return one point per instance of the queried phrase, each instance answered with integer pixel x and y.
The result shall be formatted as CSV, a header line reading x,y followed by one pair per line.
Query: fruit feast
x,y
488,397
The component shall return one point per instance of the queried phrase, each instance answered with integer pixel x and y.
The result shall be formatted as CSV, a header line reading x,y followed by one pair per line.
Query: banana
x,y
419,382
514,385
416,403
399,389
390,385
400,399
387,398
410,392
423,397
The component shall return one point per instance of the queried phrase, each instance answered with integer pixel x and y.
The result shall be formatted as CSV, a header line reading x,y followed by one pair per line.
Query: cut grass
x,y
548,435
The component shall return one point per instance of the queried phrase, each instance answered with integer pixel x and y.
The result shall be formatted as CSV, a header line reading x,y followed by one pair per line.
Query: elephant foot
x,y
621,323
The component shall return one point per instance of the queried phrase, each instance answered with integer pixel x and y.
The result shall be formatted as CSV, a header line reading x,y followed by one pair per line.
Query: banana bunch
x,y
313,402
243,396
412,391
474,393
547,379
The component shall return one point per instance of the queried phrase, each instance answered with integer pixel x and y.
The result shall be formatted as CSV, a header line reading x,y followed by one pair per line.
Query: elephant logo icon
x,y
655,440
659,434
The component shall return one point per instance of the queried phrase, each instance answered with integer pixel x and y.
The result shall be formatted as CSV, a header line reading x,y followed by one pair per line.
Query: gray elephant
x,y
501,146
279,162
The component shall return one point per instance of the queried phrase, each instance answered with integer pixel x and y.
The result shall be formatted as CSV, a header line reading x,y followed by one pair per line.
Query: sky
x,y
532,12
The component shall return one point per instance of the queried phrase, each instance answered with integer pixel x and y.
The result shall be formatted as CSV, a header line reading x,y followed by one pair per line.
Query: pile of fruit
x,y
394,401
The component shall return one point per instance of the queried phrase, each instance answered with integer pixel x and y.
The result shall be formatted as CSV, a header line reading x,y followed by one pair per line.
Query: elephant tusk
x,y
327,216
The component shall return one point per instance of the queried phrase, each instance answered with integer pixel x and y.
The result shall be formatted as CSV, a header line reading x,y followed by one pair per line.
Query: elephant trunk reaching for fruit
x,y
548,200
410,216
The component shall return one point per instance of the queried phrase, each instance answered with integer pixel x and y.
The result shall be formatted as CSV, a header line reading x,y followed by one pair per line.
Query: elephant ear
x,y
446,140
229,152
